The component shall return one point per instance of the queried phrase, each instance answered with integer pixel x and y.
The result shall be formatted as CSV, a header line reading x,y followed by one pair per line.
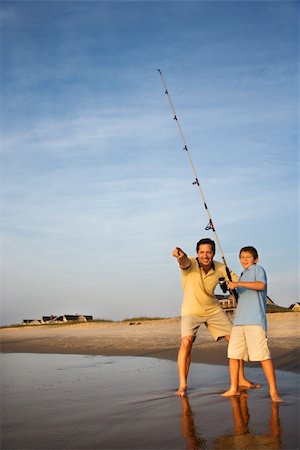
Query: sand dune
x,y
155,338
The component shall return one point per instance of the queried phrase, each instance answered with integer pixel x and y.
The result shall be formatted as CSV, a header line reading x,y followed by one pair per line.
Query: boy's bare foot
x,y
181,391
230,393
275,396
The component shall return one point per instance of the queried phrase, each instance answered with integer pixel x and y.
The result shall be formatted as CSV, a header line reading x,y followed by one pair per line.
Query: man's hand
x,y
183,261
178,253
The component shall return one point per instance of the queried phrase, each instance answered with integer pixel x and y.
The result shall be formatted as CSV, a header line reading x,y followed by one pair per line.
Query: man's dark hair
x,y
250,250
206,241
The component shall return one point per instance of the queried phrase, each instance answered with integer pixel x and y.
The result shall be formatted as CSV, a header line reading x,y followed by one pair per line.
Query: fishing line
x,y
210,225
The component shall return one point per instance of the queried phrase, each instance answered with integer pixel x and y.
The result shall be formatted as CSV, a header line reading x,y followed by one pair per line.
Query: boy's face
x,y
247,259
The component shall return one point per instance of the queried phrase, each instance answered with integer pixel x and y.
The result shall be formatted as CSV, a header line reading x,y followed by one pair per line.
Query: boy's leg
x,y
242,378
220,326
237,351
269,371
257,344
243,381
234,378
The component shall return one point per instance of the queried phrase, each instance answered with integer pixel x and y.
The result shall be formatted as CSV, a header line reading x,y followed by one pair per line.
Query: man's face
x,y
205,255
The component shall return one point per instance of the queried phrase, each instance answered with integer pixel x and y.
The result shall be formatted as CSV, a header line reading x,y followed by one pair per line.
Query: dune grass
x,y
75,322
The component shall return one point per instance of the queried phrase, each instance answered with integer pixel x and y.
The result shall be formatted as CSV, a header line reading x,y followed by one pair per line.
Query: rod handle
x,y
232,291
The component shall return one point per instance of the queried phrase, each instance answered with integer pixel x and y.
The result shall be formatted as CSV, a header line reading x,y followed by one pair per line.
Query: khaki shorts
x,y
248,342
218,325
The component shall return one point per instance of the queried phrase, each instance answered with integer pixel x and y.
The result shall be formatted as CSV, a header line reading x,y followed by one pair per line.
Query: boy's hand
x,y
232,284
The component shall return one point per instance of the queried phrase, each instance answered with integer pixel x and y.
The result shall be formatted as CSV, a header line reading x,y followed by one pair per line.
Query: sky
x,y
96,189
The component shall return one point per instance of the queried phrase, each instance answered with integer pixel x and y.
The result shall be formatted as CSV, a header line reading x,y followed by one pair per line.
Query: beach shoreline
x,y
75,402
148,338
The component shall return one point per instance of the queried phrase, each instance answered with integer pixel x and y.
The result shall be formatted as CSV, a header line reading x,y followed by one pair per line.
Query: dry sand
x,y
155,338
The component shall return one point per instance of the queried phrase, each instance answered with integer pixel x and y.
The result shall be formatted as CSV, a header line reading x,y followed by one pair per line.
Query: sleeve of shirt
x,y
261,274
190,268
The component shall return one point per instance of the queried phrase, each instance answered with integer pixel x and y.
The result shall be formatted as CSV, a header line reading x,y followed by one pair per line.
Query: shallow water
x,y
94,402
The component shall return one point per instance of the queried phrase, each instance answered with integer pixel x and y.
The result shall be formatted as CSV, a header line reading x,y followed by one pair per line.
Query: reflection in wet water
x,y
243,437
73,402
190,433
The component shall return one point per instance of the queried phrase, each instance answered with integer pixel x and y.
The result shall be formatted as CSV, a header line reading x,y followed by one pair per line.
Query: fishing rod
x,y
210,225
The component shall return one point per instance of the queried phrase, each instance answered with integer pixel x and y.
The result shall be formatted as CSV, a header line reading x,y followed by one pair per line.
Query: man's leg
x,y
268,367
184,361
234,378
243,380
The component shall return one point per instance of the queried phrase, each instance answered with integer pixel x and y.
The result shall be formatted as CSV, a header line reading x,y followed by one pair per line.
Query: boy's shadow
x,y
242,437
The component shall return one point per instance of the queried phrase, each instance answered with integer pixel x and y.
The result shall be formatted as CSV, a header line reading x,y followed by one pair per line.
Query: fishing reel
x,y
223,284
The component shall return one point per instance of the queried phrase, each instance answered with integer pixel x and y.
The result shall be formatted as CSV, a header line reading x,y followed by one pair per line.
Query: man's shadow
x,y
242,437
189,430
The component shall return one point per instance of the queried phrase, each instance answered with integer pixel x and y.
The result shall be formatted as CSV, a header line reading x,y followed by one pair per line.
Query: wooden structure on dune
x,y
229,304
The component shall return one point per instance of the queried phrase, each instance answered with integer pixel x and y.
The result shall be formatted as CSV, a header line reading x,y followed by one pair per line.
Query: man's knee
x,y
187,342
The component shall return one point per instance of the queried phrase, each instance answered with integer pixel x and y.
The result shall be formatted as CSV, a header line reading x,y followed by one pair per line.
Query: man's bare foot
x,y
230,393
248,384
181,391
275,397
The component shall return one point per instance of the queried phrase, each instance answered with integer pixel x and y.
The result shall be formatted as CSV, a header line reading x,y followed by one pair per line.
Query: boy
x,y
248,338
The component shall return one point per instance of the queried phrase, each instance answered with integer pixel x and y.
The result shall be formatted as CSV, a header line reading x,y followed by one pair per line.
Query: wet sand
x,y
157,338
71,402
58,392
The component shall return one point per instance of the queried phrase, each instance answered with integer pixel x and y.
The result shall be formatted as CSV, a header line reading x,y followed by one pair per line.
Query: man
x,y
200,277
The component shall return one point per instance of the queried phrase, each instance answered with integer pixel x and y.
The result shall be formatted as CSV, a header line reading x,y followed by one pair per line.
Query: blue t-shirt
x,y
251,309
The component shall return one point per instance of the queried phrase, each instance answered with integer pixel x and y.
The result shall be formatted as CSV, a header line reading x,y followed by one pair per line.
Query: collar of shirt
x,y
200,267
249,268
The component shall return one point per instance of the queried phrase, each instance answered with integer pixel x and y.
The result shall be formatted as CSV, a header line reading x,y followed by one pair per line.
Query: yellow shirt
x,y
198,288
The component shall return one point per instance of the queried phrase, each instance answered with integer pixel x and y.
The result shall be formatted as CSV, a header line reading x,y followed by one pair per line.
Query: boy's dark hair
x,y
251,250
206,241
